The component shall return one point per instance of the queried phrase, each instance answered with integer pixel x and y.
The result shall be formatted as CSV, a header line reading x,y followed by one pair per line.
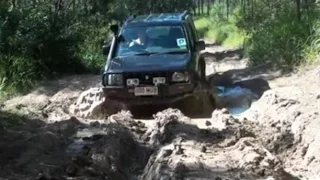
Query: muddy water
x,y
79,141
239,99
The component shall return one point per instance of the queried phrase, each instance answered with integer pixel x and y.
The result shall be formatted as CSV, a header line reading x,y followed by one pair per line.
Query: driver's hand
x,y
132,43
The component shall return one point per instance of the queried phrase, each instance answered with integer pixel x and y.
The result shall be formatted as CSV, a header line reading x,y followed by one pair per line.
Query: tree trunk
x,y
208,7
244,6
227,3
252,9
298,10
195,7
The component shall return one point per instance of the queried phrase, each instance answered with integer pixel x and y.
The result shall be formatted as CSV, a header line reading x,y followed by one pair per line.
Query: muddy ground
x,y
265,127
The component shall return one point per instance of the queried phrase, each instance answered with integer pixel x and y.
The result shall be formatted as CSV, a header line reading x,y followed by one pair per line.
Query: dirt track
x,y
65,134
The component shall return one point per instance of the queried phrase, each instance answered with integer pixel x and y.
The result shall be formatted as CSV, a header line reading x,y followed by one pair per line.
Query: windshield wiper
x,y
175,52
145,53
168,52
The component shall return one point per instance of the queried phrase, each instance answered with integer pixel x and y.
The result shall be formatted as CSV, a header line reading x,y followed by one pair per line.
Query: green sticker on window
x,y
183,47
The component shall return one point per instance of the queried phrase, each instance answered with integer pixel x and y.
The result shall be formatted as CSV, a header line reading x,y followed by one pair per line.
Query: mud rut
x,y
168,146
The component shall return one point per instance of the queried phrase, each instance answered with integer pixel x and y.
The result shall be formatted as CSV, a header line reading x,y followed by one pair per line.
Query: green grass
x,y
218,31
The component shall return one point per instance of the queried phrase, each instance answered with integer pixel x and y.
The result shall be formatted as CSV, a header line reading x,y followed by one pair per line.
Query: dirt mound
x,y
294,111
51,100
89,104
183,151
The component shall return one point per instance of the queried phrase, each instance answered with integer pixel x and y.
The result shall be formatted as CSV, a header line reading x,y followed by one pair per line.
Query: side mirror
x,y
105,49
200,45
114,28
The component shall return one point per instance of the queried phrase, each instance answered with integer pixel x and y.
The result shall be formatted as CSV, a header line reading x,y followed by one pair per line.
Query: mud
x,y
293,110
191,153
264,128
61,150
122,148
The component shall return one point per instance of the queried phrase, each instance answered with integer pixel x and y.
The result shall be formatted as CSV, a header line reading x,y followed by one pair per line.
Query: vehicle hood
x,y
152,62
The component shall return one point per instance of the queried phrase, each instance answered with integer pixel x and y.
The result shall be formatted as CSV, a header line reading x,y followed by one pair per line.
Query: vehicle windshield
x,y
152,39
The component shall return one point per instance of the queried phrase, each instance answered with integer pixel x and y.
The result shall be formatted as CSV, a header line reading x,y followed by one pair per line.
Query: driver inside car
x,y
141,38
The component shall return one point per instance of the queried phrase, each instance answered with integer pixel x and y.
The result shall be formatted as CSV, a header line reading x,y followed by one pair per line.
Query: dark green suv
x,y
154,59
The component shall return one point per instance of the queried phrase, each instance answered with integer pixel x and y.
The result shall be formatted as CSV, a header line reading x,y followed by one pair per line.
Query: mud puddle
x,y
236,100
80,139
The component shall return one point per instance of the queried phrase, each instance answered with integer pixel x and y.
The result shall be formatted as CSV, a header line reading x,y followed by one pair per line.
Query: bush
x,y
91,49
311,49
203,26
37,43
276,33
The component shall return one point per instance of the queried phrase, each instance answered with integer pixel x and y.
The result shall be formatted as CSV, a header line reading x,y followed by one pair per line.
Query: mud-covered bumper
x,y
166,94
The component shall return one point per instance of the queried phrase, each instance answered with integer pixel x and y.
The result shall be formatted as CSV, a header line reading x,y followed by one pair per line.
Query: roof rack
x,y
130,18
148,17
184,15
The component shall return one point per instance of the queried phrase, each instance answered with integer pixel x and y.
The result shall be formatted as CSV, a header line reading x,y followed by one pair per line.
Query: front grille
x,y
146,78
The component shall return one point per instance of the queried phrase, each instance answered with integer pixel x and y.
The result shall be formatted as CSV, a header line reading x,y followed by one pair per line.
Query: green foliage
x,y
311,49
277,34
36,43
203,26
90,50
221,30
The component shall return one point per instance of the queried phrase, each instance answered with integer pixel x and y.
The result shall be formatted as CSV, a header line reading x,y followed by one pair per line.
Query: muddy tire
x,y
198,106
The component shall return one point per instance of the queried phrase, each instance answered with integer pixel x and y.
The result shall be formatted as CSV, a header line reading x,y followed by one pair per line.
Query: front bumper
x,y
166,94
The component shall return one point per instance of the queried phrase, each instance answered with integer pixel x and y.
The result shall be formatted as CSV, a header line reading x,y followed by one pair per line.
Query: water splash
x,y
236,99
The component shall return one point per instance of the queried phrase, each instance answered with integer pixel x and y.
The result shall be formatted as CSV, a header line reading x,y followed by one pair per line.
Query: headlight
x,y
180,77
115,79
132,82
159,80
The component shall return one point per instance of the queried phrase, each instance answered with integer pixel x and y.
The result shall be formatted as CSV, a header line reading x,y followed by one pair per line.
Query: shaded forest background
x,y
41,39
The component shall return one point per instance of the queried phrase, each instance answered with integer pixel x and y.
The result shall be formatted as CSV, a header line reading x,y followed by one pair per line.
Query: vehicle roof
x,y
156,18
